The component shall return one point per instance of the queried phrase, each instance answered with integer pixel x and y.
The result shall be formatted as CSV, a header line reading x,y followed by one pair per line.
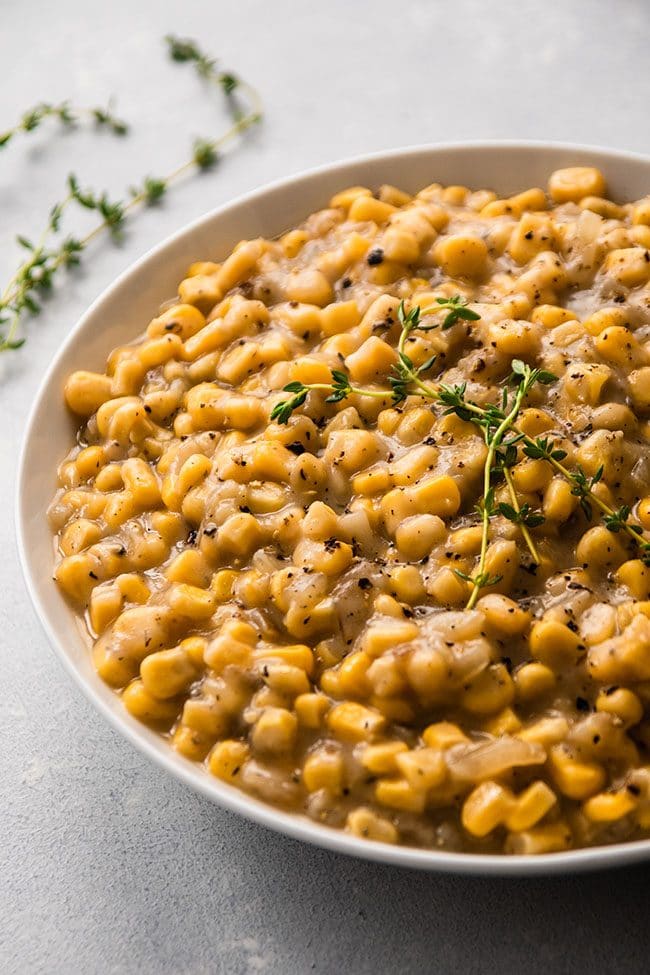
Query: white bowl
x,y
123,311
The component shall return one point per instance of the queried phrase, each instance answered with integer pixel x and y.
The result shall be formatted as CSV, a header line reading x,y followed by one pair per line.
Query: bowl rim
x,y
192,774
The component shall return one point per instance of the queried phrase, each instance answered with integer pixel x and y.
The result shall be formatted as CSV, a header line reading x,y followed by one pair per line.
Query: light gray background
x,y
106,865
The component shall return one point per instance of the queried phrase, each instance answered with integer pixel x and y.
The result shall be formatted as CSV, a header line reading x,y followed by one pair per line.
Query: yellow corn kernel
x,y
635,574
80,534
545,732
182,320
342,316
531,199
437,496
311,709
200,290
352,674
89,461
226,759
324,769
554,644
393,194
559,504
604,318
643,512
207,716
465,541
492,690
145,707
574,183
607,807
533,233
621,702
531,805
423,768
189,566
286,680
368,208
190,743
73,574
394,709
293,242
320,618
398,244
192,602
371,361
530,476
106,604
387,635
416,536
447,588
406,583
600,548
297,655
367,824
240,264
381,759
641,212
414,426
617,344
114,668
169,525
275,731
387,605
375,480
443,734
629,265
486,807
309,286
550,315
331,557
638,382
354,722
240,534
504,614
413,464
222,584
505,722
400,794
347,197
167,672
575,779
462,256
85,392
532,680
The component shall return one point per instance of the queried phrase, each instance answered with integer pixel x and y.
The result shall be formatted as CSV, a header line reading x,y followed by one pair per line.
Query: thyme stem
x,y
67,115
36,273
515,504
480,580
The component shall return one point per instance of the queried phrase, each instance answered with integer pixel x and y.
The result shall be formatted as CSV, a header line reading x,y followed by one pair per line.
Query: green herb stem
x,y
515,504
68,116
480,580
36,273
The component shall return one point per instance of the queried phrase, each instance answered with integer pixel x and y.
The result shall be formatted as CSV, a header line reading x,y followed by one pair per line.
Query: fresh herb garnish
x,y
53,252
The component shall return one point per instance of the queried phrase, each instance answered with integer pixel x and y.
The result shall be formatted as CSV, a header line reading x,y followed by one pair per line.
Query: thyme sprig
x,y
340,388
582,486
36,273
496,423
68,116
185,50
502,435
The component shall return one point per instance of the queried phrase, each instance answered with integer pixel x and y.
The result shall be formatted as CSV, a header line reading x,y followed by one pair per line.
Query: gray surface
x,y
105,864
